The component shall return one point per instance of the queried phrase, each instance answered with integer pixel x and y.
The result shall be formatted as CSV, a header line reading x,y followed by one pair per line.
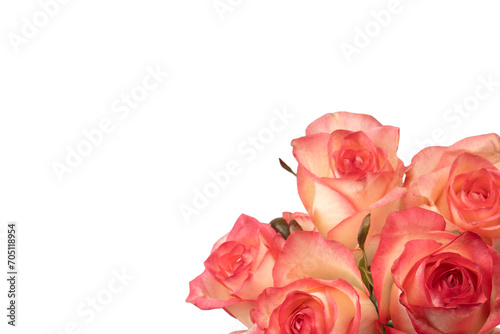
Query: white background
x,y
119,208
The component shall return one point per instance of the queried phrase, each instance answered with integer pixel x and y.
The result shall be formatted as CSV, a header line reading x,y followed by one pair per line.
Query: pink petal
x,y
326,206
311,153
206,293
347,231
342,120
310,255
494,316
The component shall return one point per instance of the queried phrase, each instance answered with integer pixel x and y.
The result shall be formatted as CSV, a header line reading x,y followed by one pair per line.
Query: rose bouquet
x,y
383,248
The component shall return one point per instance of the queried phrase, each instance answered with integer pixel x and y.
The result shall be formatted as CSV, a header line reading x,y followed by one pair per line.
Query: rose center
x,y
355,161
451,280
450,283
477,191
233,261
297,324
300,322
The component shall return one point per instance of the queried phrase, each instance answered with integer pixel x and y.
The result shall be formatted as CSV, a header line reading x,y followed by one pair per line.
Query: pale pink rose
x,y
431,281
347,168
462,183
318,289
238,269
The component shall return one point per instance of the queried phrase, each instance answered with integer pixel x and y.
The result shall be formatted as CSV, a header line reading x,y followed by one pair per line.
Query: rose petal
x,y
206,293
310,255
257,280
414,251
467,162
446,320
303,219
241,311
386,137
346,231
342,120
248,230
494,316
427,189
326,206
434,158
399,313
311,153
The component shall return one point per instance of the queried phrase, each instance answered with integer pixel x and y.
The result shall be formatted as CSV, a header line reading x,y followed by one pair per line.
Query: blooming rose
x,y
312,306
347,168
318,289
431,281
461,182
238,269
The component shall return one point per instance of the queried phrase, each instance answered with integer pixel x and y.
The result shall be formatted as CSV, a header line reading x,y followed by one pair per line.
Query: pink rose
x,y
431,281
348,168
313,306
238,269
318,289
461,182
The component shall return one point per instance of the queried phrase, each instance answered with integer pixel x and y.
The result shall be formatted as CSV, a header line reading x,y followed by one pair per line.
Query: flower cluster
x,y
383,248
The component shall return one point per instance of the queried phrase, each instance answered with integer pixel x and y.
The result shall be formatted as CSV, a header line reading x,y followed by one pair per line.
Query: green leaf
x,y
362,262
366,279
363,232
365,273
286,167
280,226
363,267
